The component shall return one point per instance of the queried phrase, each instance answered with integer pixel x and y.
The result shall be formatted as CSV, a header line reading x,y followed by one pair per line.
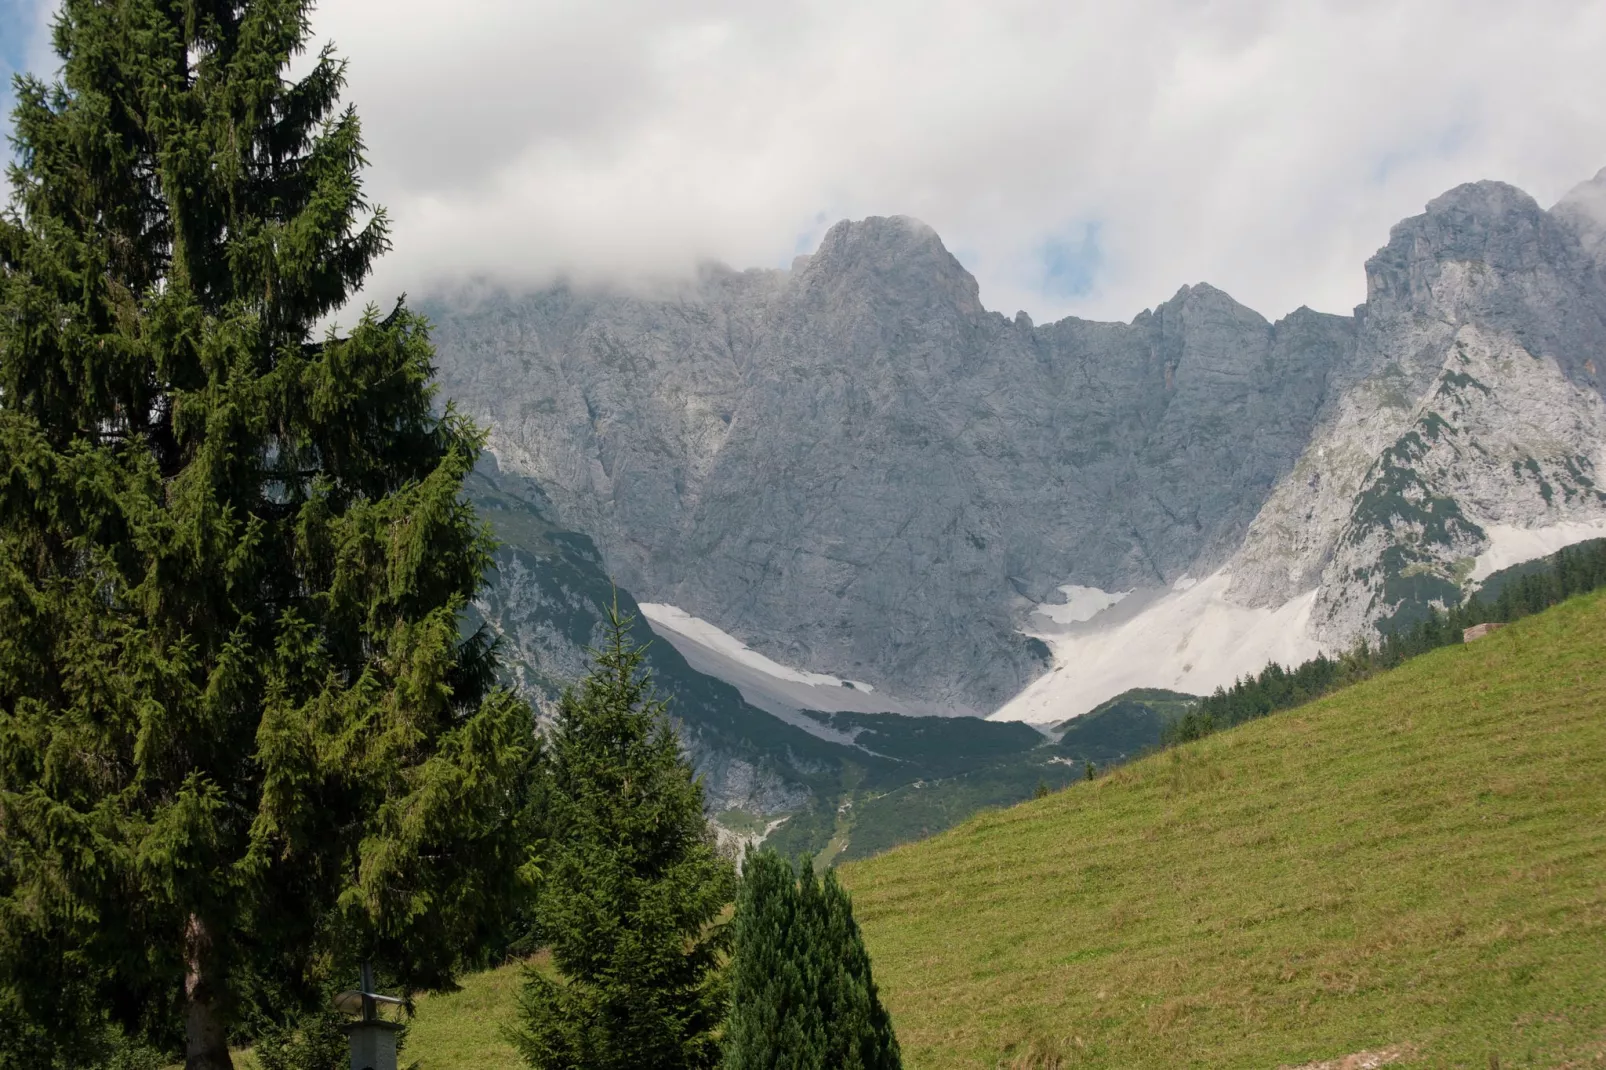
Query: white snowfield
x,y
1186,638
1189,638
776,688
665,617
1081,604
1510,545
1192,639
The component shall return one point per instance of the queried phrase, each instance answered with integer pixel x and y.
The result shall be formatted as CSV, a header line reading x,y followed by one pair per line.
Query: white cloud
x,y
1263,146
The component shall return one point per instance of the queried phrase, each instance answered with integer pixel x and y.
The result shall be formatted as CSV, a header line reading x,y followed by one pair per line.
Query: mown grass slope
x,y
465,1030
1417,863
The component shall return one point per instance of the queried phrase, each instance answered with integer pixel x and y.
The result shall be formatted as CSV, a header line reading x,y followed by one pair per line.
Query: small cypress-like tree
x,y
242,739
315,1041
802,994
632,888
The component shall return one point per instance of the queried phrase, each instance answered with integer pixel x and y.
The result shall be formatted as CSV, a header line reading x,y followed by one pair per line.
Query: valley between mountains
x,y
871,527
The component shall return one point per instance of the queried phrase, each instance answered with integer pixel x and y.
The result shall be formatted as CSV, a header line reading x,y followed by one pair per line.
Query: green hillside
x,y
1415,865
947,769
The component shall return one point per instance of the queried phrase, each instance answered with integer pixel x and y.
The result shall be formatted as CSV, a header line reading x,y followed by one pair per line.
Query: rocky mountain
x,y
1474,405
858,782
547,601
855,469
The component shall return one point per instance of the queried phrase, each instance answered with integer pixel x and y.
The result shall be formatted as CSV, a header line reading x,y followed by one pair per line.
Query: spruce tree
x,y
802,994
242,739
632,888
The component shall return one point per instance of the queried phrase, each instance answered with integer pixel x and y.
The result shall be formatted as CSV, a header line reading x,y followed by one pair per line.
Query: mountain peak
x,y
1484,199
897,253
1489,223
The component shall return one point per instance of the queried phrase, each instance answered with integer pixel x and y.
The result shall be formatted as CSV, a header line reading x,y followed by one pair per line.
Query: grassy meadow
x,y
1414,866
464,1029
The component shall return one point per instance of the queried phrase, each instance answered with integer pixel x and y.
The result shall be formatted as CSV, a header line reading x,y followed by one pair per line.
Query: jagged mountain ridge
x,y
857,469
1476,401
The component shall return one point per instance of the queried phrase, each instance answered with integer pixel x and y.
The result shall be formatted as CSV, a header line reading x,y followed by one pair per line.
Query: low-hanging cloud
x,y
1079,157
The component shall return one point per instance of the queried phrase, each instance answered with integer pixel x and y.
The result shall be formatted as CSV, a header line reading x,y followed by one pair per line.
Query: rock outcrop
x,y
856,469
1475,400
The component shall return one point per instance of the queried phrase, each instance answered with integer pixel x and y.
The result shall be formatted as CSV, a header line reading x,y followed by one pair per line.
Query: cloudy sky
x,y
1079,156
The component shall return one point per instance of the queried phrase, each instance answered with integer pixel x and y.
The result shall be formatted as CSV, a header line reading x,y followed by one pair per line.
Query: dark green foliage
x,y
802,995
1195,724
633,887
314,1042
1531,586
1397,497
880,818
1159,701
1506,596
242,739
26,1045
935,746
1123,727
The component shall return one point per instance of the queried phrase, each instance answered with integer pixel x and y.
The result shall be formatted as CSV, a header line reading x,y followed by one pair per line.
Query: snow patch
x,y
665,617
1510,545
1081,604
1192,640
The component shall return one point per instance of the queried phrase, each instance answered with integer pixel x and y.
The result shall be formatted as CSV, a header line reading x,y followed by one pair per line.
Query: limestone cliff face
x,y
1475,400
547,604
857,469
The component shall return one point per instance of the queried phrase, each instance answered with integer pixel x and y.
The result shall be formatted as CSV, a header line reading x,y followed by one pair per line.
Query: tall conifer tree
x,y
240,731
633,886
802,997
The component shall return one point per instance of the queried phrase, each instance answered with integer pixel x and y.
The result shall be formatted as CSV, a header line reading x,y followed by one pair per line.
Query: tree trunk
x,y
206,1037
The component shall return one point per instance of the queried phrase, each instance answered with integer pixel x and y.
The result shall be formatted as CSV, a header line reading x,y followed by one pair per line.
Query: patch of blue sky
x,y
1069,261
19,31
19,19
1444,144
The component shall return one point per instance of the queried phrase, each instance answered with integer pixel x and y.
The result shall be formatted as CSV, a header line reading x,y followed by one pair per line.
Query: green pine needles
x,y
802,997
633,885
242,741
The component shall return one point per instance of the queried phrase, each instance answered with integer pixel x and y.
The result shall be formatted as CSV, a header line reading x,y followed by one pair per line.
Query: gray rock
x,y
857,469
1475,400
